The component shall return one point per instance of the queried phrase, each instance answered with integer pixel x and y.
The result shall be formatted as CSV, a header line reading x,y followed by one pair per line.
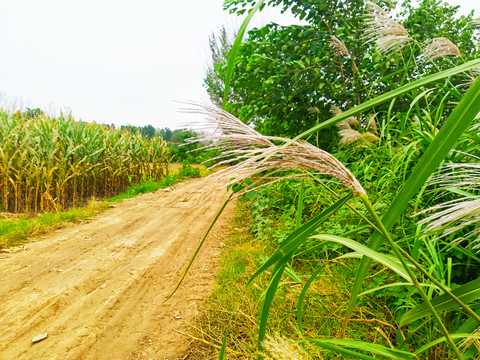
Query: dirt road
x,y
97,289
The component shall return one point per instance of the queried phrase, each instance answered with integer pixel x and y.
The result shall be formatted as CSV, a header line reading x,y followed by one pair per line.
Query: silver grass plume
x,y
439,47
387,34
338,46
451,216
344,124
253,154
348,136
370,138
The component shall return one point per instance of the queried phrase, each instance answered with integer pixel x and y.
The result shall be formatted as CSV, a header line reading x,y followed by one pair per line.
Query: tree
x,y
287,78
33,113
219,46
166,134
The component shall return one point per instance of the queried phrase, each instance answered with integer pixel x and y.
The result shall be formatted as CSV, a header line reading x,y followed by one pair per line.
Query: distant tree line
x,y
180,150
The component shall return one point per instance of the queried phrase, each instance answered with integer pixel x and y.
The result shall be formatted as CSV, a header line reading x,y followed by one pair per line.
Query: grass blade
x,y
390,96
224,346
466,293
296,238
281,257
442,339
302,296
361,345
182,277
383,259
456,124
232,55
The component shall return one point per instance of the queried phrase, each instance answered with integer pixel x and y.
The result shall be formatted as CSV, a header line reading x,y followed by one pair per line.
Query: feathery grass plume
x,y
344,124
390,3
348,136
338,46
439,47
452,216
335,110
383,30
253,154
281,348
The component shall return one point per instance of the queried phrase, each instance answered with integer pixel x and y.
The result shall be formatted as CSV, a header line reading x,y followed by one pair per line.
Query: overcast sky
x,y
113,61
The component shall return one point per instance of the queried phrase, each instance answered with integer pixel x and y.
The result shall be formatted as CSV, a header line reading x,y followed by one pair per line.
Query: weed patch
x,y
16,230
234,307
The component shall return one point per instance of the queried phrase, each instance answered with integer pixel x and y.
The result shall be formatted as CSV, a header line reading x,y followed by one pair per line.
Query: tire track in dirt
x,y
97,289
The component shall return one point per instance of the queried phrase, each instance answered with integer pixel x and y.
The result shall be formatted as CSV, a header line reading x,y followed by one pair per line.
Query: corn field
x,y
54,163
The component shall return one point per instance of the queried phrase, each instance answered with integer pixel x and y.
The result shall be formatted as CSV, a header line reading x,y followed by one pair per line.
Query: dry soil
x,y
97,289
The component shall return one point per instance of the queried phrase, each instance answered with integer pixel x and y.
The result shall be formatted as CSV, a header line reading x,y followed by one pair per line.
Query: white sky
x,y
113,61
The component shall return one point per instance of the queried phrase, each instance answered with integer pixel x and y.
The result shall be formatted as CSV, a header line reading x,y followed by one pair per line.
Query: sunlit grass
x,y
16,230
234,305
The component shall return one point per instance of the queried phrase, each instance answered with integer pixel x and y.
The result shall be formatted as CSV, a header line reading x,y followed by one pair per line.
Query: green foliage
x,y
188,171
15,231
54,163
220,44
410,100
287,77
33,113
146,187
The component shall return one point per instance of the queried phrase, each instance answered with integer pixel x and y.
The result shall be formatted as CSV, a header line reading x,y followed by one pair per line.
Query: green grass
x,y
146,187
235,306
16,230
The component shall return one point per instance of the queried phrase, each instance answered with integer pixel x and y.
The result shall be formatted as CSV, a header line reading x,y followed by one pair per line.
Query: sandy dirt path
x,y
97,288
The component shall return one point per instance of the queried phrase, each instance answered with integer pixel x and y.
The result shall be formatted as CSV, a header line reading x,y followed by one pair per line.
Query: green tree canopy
x,y
287,78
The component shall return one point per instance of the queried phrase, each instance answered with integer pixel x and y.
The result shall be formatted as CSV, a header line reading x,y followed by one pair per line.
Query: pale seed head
x,y
370,138
439,47
254,154
281,348
338,46
387,34
349,136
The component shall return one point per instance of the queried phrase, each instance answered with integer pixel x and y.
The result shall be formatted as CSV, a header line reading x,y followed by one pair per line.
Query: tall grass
x,y
260,154
254,155
265,159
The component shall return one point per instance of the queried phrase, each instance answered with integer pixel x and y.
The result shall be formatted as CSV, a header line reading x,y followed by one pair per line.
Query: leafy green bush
x,y
189,171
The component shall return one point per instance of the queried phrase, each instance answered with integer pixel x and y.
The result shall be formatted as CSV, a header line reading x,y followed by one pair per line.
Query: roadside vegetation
x,y
359,175
58,170
16,229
